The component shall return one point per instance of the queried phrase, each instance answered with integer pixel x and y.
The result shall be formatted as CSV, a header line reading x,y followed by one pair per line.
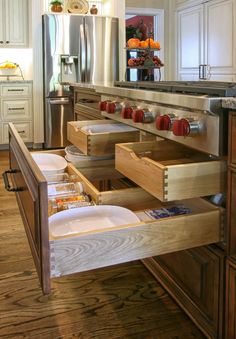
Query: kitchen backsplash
x,y
23,57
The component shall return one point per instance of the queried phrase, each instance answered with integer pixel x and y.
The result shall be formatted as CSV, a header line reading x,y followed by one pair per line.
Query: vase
x,y
93,9
56,8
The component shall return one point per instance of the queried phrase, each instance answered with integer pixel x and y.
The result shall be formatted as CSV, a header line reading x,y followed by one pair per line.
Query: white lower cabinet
x,y
16,107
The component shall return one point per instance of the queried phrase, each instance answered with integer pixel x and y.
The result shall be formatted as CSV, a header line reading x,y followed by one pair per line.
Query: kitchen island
x,y
198,237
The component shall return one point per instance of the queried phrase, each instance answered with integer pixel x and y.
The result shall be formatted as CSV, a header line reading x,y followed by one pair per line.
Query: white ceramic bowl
x,y
8,71
74,155
90,218
49,163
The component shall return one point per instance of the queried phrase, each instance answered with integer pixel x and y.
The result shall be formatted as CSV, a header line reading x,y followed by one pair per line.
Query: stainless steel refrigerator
x,y
76,49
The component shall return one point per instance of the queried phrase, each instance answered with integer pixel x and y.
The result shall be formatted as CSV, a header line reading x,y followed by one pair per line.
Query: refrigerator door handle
x,y
59,101
88,54
82,53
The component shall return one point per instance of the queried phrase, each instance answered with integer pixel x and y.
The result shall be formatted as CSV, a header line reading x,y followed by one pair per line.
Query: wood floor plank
x,y
122,301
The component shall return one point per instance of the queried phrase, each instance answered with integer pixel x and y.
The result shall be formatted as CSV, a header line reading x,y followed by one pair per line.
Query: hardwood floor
x,y
122,301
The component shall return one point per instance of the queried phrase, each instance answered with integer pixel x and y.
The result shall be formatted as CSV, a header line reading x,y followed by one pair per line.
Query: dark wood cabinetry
x,y
230,301
231,234
232,139
230,325
194,278
203,280
86,104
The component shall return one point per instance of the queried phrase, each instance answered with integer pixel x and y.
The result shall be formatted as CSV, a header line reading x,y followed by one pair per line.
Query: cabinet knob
x,y
102,105
126,112
113,107
184,127
164,122
181,128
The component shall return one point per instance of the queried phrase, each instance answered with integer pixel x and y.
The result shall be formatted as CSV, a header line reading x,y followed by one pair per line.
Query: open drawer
x,y
98,137
58,255
170,171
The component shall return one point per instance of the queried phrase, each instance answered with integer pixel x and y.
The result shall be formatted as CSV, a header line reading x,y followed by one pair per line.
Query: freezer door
x,y
58,111
102,54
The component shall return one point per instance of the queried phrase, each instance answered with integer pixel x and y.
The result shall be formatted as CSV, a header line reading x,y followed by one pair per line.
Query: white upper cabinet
x,y
13,23
206,47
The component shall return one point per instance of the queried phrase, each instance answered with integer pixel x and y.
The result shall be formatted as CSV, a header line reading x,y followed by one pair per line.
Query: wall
x,y
147,3
23,57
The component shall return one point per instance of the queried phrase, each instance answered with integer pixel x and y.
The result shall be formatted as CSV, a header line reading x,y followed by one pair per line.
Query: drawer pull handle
x,y
16,109
15,90
86,101
7,184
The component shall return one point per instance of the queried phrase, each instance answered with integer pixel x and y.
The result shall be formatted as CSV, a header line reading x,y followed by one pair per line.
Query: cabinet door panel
x,y
1,22
232,139
220,37
232,212
194,279
190,42
230,323
16,22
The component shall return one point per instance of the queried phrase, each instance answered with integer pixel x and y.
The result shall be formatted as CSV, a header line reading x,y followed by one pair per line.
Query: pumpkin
x,y
133,43
156,45
144,44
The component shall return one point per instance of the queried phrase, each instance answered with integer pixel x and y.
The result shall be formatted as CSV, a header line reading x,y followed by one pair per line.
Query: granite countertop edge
x,y
229,102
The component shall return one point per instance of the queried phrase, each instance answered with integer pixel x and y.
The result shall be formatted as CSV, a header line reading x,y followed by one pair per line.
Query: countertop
x,y
229,103
92,86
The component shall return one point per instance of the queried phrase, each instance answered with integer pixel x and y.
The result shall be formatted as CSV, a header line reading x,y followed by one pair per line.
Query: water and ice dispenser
x,y
69,68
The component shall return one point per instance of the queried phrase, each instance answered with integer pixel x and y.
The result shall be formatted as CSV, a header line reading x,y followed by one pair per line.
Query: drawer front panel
x,y
16,90
23,128
91,250
82,113
32,202
16,110
173,175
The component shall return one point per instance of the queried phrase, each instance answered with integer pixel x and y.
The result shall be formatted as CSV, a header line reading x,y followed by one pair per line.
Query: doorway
x,y
144,23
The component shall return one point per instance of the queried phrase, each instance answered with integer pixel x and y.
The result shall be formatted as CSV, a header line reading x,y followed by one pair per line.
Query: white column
x,y
36,27
117,8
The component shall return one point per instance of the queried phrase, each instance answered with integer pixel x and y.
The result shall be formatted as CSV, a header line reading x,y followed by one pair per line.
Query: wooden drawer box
x,y
105,185
99,143
61,255
170,171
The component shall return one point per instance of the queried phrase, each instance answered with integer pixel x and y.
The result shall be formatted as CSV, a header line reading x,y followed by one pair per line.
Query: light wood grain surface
x,y
122,301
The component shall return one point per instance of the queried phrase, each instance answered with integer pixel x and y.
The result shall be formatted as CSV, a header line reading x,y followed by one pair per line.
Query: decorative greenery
x,y
130,32
56,2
